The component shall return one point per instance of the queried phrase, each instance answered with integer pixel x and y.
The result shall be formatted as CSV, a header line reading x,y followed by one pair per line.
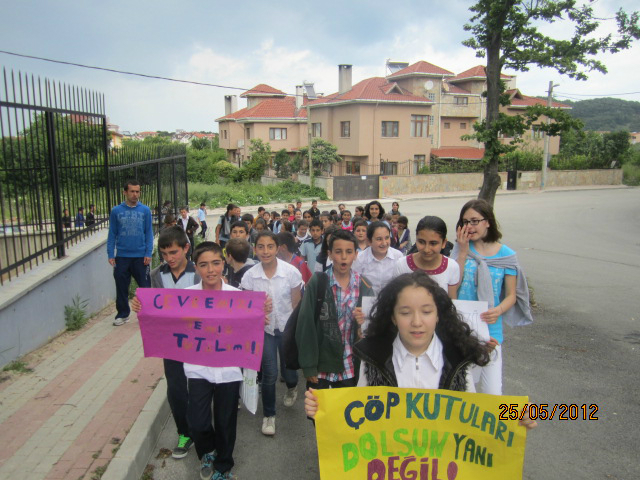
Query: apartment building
x,y
388,125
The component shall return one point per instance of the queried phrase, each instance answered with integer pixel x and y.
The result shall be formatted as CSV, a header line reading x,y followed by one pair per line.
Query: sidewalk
x,y
67,418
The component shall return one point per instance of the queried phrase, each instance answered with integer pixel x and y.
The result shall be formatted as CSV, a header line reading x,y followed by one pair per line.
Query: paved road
x,y
581,253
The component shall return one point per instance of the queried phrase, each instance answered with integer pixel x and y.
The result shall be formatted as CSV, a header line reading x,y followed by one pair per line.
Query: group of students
x,y
80,220
413,337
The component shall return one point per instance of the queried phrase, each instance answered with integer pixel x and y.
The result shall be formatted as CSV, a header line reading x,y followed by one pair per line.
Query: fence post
x,y
159,190
55,182
174,181
106,164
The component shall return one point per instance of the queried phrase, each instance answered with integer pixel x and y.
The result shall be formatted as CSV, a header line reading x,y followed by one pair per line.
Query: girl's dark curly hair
x,y
368,206
450,328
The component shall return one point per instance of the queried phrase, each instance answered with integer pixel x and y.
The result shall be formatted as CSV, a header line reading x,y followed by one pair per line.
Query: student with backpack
x,y
326,358
223,229
287,252
237,256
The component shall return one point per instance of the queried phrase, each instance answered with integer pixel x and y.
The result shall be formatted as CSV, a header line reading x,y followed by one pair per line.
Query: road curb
x,y
133,455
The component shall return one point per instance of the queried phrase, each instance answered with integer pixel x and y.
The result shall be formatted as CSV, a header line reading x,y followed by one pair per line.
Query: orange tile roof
x,y
518,100
464,153
375,88
262,89
479,71
456,89
270,108
422,67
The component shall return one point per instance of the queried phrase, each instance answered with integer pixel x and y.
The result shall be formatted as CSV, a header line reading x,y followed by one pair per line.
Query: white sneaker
x,y
290,397
269,426
120,321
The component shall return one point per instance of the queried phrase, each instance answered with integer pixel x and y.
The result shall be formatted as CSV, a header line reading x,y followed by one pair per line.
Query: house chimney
x,y
344,78
299,95
230,104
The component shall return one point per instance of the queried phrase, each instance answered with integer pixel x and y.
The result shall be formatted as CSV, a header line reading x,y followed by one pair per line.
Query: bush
x,y
224,169
75,315
631,174
251,193
522,160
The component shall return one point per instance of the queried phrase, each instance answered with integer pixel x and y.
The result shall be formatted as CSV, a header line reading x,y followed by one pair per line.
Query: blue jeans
x,y
127,267
273,345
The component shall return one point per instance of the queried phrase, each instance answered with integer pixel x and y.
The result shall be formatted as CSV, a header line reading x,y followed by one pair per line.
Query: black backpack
x,y
289,345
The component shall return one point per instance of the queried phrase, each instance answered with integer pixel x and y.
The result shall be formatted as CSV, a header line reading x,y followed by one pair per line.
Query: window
x,y
390,129
536,133
419,161
447,125
224,134
419,125
431,96
463,125
388,168
431,119
462,101
353,168
345,129
316,129
248,135
277,134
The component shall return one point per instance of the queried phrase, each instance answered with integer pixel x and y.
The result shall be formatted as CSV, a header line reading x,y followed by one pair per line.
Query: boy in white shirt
x,y
214,445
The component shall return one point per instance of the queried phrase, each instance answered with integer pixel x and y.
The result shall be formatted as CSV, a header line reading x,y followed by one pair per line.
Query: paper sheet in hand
x,y
471,311
367,305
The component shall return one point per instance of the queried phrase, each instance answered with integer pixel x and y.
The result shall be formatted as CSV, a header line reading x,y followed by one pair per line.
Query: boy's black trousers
x,y
222,435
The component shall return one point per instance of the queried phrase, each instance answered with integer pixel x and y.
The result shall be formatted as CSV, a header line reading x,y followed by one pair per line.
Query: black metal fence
x,y
59,177
161,170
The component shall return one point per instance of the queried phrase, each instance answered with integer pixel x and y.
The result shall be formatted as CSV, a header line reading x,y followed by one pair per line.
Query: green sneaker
x,y
181,450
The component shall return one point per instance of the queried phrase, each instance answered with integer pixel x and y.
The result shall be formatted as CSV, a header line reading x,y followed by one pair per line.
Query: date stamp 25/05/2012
x,y
543,411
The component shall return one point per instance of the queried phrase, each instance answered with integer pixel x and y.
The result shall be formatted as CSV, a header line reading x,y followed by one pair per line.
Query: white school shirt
x,y
423,371
448,273
378,272
213,374
278,287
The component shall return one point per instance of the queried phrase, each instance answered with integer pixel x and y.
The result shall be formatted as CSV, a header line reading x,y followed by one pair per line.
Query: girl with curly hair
x,y
415,339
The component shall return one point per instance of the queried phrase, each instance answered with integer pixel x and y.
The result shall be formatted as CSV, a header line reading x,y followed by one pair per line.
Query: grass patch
x,y
148,473
75,315
98,473
251,193
631,174
17,366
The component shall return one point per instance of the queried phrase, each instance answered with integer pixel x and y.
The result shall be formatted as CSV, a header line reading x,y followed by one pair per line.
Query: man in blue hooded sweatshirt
x,y
129,247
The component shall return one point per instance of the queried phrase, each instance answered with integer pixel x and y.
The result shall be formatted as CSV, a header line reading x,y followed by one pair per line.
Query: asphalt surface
x,y
581,253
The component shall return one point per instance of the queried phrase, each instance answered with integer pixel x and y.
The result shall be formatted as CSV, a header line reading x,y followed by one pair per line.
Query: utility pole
x,y
545,155
311,179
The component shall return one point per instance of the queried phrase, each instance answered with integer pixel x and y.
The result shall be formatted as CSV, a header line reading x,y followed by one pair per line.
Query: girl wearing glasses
x,y
490,273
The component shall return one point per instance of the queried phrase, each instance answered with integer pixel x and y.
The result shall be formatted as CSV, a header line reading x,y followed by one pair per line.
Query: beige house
x,y
388,125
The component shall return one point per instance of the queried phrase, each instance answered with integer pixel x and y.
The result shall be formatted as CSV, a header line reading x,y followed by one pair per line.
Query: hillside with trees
x,y
606,114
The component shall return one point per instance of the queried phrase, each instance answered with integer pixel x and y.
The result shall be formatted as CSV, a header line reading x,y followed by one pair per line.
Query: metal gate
x,y
356,187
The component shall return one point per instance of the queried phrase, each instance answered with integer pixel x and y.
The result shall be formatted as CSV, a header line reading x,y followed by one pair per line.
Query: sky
x,y
242,44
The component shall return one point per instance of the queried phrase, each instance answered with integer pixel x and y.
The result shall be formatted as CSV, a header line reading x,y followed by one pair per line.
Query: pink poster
x,y
214,328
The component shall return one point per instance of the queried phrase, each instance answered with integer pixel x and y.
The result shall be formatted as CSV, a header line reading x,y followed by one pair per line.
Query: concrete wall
x,y
457,182
32,305
325,183
264,180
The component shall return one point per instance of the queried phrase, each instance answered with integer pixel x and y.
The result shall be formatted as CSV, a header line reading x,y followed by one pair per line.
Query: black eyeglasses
x,y
473,221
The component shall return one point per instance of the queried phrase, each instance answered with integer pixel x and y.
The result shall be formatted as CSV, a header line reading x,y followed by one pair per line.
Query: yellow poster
x,y
382,433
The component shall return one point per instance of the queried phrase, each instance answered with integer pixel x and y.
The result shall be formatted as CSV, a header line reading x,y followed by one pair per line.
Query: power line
x,y
597,94
113,70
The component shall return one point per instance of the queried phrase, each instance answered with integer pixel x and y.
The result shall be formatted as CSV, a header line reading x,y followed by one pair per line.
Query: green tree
x,y
324,155
281,164
259,156
506,33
